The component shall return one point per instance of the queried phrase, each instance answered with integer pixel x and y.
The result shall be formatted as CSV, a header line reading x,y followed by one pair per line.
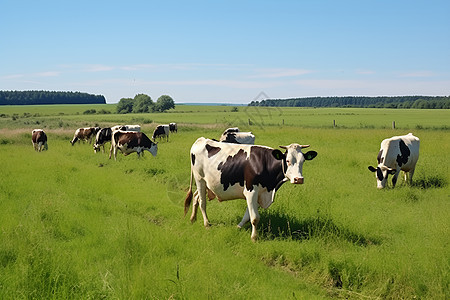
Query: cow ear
x,y
310,155
277,154
372,169
283,147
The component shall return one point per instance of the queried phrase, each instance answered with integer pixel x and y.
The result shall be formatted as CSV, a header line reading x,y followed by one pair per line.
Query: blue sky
x,y
226,51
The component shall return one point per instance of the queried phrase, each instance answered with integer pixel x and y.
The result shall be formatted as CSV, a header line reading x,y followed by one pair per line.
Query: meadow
x,y
76,225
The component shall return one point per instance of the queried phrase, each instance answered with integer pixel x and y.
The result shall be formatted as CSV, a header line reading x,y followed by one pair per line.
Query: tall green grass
x,y
75,224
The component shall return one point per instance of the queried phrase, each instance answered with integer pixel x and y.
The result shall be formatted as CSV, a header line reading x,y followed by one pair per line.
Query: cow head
x,y
294,159
153,149
382,172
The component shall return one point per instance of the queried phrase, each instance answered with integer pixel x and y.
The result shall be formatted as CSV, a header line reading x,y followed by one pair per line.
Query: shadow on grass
x,y
274,225
433,181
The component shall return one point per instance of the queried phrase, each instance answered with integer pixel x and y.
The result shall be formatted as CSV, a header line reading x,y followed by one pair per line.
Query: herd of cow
x,y
234,168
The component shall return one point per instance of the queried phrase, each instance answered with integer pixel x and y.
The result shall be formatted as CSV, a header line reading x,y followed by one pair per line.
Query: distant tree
x,y
164,103
143,104
125,106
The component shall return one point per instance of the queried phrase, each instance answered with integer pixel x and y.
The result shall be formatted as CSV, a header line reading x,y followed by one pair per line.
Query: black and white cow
x,y
232,171
103,136
161,131
129,142
238,138
173,127
398,153
136,128
84,134
39,140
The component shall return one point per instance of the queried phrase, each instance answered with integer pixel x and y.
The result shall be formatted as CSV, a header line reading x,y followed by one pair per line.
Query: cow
x,y
398,153
173,127
84,134
232,171
161,131
39,140
136,128
131,141
103,136
238,138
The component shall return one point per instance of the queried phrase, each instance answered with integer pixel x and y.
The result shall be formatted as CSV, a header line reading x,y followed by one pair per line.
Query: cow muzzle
x,y
298,180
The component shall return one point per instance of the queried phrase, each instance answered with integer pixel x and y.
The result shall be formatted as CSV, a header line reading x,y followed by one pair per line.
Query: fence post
x,y
393,124
334,123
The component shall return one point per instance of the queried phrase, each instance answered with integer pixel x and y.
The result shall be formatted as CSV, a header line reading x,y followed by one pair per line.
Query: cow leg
x,y
409,176
411,173
245,219
394,178
201,188
194,207
252,206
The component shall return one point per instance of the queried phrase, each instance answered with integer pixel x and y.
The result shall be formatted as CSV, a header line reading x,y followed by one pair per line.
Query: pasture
x,y
75,224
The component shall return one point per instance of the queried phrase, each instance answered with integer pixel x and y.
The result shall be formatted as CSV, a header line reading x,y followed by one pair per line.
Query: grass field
x,y
75,224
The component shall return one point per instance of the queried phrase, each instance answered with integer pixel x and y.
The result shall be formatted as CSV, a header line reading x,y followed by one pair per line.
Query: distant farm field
x,y
75,224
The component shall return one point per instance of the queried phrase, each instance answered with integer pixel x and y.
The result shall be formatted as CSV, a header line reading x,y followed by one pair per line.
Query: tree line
x,y
421,102
48,97
142,103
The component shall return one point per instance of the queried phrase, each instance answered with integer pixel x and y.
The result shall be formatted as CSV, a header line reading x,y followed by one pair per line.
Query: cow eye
x,y
288,161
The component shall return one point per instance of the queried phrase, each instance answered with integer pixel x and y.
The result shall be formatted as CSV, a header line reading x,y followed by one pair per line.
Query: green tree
x,y
143,104
164,103
125,106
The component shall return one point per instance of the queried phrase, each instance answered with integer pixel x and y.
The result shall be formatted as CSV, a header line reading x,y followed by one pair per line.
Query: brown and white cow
x,y
129,142
161,131
39,140
232,171
398,153
84,134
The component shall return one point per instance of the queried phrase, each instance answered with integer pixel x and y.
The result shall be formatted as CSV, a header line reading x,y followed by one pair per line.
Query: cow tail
x,y
188,200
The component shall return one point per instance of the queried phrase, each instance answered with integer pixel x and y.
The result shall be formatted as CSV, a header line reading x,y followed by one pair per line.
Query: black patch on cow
x,y
133,139
230,138
402,158
380,174
233,169
193,158
262,168
379,158
212,150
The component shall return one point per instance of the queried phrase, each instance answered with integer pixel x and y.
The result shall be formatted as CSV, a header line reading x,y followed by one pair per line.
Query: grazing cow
x,y
238,138
173,127
231,171
131,141
103,136
398,153
136,128
39,140
161,131
84,134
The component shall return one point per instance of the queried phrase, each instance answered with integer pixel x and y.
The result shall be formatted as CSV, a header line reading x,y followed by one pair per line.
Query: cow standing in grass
x,y
398,153
129,141
84,134
232,171
39,140
161,131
